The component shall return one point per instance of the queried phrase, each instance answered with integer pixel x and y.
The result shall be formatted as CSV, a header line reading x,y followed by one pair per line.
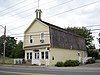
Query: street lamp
x,y
4,43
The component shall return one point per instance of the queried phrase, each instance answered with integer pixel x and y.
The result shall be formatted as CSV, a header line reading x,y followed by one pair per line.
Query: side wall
x,y
58,54
60,38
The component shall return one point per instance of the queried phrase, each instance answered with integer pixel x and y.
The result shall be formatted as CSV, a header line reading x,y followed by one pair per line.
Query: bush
x,y
59,64
93,53
90,61
69,63
98,57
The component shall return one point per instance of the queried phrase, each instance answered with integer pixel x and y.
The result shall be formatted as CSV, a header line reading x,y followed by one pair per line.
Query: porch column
x,y
39,58
25,56
33,56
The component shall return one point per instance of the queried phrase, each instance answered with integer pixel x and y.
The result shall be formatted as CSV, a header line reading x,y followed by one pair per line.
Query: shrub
x,y
90,61
59,64
69,63
98,56
92,53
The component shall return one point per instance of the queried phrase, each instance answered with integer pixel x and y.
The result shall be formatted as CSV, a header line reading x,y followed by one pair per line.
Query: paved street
x,y
36,70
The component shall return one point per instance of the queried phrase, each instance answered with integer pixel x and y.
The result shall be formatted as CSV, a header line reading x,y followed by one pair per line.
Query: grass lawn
x,y
7,60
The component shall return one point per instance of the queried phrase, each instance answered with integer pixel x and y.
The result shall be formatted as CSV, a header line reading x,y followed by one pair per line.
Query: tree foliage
x,y
92,53
10,45
18,51
84,32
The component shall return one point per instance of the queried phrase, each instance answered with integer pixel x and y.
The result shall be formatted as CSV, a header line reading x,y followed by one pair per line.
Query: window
x,y
36,55
46,55
42,55
30,55
30,38
27,55
41,36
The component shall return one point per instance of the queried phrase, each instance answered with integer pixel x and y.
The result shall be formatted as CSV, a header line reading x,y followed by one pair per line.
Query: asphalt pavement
x,y
90,69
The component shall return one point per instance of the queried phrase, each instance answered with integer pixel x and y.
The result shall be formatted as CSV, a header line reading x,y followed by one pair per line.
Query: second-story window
x,y
30,39
42,37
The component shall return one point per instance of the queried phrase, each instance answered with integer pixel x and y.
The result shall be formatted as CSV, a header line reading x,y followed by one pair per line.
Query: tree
x,y
10,45
18,51
93,53
84,32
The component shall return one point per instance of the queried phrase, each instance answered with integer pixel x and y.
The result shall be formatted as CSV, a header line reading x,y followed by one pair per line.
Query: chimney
x,y
38,13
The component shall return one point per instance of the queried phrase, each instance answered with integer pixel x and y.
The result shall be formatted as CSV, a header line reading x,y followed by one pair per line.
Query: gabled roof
x,y
53,26
33,23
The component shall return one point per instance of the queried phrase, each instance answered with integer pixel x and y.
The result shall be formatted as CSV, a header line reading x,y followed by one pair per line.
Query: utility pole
x,y
4,43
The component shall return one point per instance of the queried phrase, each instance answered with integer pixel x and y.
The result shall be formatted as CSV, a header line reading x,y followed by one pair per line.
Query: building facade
x,y
46,44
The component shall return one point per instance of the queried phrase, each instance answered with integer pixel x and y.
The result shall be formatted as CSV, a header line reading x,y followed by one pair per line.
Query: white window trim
x,y
29,55
43,37
30,38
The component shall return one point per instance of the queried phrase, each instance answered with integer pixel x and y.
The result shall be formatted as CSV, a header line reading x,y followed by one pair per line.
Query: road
x,y
36,70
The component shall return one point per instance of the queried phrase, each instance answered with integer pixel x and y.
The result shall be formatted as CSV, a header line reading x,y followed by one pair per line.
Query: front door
x,y
36,55
36,58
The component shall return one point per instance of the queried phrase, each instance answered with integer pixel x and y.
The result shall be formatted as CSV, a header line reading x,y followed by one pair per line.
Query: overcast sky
x,y
17,15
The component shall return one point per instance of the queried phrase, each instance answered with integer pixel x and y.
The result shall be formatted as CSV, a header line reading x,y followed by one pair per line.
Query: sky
x,y
17,15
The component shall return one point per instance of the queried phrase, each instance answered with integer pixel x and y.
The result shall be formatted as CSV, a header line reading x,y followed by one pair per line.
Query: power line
x,y
12,6
60,4
18,9
95,32
19,19
43,5
24,10
94,29
29,33
17,27
34,36
57,5
72,9
93,25
77,7
32,8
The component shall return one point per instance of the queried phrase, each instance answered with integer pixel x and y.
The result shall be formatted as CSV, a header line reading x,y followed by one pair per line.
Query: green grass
x,y
7,60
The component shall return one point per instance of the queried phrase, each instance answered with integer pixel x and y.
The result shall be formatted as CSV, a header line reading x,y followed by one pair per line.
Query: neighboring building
x,y
46,44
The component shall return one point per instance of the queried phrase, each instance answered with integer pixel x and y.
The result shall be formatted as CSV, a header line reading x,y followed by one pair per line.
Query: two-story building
x,y
46,44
